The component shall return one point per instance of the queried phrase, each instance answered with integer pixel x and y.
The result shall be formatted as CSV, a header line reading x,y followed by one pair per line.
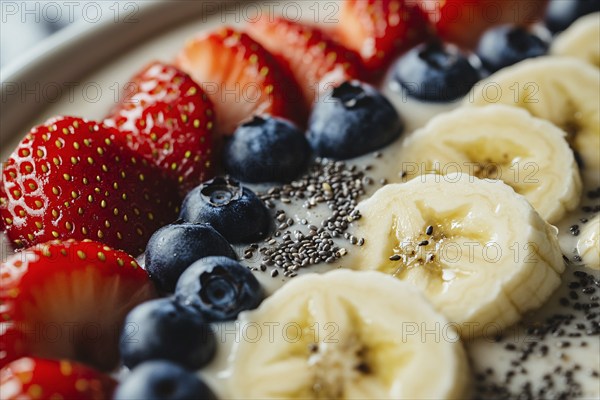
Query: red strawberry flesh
x,y
38,378
69,300
317,62
241,78
168,118
463,21
380,30
72,178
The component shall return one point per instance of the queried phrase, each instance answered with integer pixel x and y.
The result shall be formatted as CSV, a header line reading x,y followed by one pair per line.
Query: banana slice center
x,y
361,339
336,364
491,161
353,358
429,249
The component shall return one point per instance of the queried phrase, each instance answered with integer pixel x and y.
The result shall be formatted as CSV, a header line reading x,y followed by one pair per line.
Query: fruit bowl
x,y
539,314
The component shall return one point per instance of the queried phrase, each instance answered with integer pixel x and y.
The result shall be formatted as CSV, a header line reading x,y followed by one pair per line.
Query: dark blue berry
x,y
162,380
234,211
352,120
436,72
506,45
219,287
560,14
266,149
163,329
175,247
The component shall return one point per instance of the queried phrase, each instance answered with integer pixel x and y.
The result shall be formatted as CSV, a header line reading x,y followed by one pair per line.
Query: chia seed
x,y
560,382
335,184
574,229
510,346
591,209
594,194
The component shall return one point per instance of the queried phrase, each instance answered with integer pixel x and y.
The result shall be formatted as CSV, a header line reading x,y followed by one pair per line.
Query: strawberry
x,y
70,178
241,78
463,21
316,61
3,202
13,342
381,29
169,119
38,378
68,300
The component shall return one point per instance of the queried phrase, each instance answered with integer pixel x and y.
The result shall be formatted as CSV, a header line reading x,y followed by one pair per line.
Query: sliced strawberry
x,y
379,30
316,61
3,203
241,78
463,21
69,300
70,178
13,342
38,378
169,119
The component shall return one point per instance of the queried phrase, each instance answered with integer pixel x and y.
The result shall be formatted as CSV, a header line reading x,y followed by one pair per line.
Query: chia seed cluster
x,y
568,329
338,185
592,195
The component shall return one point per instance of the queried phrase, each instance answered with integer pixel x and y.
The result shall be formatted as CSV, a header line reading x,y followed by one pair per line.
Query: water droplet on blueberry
x,y
233,210
221,191
353,119
350,94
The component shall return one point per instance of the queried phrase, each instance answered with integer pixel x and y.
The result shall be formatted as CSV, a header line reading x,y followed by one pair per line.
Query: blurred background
x,y
26,23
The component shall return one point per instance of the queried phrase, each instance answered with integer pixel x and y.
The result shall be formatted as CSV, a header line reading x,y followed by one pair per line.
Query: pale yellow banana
x,y
477,250
347,335
588,245
499,142
563,90
580,40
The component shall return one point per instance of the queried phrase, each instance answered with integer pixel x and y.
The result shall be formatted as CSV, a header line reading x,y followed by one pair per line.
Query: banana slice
x,y
480,253
588,245
563,90
347,335
499,142
581,40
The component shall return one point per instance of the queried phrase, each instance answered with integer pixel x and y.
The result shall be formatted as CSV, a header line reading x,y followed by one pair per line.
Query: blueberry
x,y
560,14
436,72
162,380
353,119
163,329
266,149
234,211
175,247
506,45
219,288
